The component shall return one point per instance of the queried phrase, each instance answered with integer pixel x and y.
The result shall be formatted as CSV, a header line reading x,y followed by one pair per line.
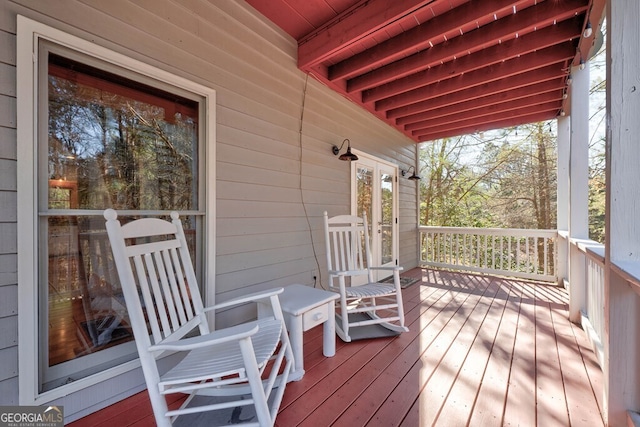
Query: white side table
x,y
303,308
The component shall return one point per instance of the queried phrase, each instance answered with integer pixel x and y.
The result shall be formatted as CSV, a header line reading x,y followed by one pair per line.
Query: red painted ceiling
x,y
441,68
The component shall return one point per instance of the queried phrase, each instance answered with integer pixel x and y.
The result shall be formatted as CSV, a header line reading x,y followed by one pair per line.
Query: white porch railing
x,y
592,254
523,253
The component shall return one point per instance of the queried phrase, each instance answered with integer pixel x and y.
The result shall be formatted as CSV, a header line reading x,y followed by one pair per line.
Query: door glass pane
x,y
364,187
386,218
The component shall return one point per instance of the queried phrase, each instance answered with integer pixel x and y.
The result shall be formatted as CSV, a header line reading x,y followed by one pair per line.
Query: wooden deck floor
x,y
481,351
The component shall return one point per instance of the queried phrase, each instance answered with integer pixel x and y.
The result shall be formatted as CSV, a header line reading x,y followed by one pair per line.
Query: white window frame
x,y
29,35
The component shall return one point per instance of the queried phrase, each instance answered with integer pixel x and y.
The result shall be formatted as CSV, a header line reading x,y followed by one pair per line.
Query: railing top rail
x,y
591,248
630,271
524,232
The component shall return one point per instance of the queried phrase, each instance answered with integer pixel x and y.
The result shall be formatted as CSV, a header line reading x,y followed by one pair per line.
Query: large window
x,y
105,136
111,141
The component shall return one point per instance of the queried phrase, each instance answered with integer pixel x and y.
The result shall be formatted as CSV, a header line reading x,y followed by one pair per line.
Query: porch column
x,y
564,141
578,189
622,249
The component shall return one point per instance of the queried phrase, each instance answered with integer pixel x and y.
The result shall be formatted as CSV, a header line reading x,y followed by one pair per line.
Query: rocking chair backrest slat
x,y
159,303
170,288
164,274
345,244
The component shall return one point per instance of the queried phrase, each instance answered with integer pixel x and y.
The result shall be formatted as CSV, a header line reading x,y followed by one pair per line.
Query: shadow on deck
x,y
481,351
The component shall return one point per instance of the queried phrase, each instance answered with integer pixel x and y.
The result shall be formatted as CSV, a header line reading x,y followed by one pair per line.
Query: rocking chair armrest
x,y
395,267
233,333
256,296
347,272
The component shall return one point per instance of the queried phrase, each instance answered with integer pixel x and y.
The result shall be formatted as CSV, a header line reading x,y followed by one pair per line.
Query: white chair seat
x,y
222,359
370,290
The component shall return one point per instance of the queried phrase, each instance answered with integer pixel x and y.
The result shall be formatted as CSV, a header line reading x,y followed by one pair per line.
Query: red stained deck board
x,y
386,362
550,393
313,406
413,366
458,406
493,389
481,351
520,405
582,404
446,367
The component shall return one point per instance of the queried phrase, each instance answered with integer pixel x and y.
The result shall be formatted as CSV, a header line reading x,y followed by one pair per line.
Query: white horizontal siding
x,y
8,145
9,272
8,203
7,79
275,174
7,111
8,301
9,333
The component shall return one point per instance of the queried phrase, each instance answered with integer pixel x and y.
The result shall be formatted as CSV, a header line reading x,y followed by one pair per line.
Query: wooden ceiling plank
x,y
478,102
539,59
499,124
531,78
352,26
284,15
525,21
516,108
541,39
415,39
476,108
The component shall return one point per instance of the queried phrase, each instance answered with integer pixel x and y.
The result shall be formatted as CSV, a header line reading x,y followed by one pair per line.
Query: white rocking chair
x,y
155,270
369,303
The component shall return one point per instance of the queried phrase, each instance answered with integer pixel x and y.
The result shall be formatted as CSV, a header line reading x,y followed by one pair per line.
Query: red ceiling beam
x,y
481,110
519,82
509,93
515,109
551,55
541,39
417,38
547,75
351,26
499,124
536,17
480,121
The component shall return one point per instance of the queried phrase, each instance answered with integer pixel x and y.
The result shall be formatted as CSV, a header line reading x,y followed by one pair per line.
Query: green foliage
x,y
506,178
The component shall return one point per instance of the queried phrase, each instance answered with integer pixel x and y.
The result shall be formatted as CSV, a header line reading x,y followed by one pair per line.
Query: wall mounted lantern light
x,y
413,176
348,155
588,30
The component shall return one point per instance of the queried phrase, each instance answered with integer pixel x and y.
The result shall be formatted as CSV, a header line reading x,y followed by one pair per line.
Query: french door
x,y
374,192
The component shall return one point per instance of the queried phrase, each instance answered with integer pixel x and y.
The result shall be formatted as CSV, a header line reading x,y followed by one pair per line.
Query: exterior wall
x,y
275,128
8,213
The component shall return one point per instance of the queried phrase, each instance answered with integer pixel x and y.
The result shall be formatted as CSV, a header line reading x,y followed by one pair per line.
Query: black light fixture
x,y
587,30
413,176
348,155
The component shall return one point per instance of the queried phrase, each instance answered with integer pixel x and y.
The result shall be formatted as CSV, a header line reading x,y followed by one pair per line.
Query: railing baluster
x,y
528,255
493,252
485,250
545,242
478,252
